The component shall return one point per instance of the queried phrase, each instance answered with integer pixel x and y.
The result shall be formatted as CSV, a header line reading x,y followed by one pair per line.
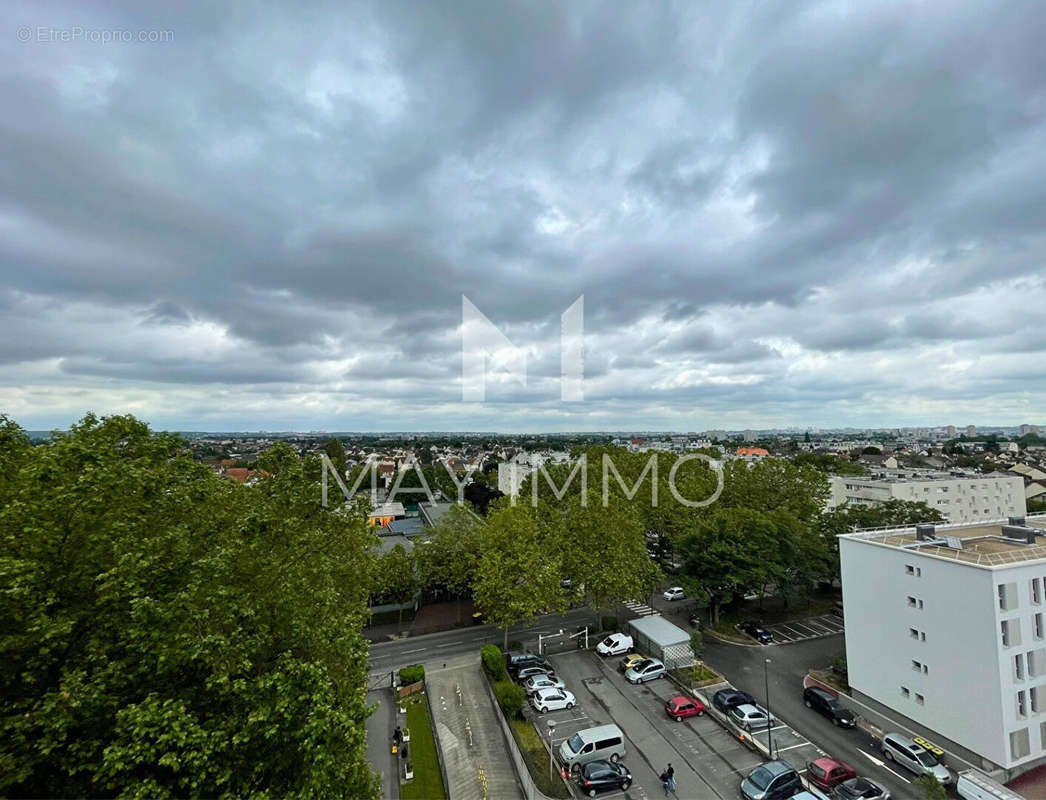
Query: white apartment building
x,y
946,634
966,499
511,474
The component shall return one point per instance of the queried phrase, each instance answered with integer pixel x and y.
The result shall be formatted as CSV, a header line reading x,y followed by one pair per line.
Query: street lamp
x,y
551,733
769,718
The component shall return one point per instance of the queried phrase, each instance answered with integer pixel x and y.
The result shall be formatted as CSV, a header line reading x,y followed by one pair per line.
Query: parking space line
x,y
780,750
818,626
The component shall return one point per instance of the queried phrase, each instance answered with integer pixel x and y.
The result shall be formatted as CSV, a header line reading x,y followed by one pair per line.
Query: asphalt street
x,y
743,667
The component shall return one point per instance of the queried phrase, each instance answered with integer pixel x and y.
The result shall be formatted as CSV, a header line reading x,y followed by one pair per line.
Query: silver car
x,y
914,757
751,717
537,682
646,670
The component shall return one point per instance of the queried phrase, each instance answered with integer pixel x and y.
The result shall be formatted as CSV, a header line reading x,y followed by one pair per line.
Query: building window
x,y
920,699
1011,632
1033,698
1018,667
1007,596
1022,710
1042,734
913,570
917,666
914,633
1036,591
905,693
1019,744
1038,626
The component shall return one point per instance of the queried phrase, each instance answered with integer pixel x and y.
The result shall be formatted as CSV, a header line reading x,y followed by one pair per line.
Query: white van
x,y
604,742
974,785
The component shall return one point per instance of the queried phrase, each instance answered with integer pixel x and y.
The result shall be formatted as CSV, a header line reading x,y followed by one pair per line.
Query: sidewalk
x,y
380,725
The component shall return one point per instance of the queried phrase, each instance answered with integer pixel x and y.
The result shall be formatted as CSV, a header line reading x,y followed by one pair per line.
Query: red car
x,y
827,773
680,706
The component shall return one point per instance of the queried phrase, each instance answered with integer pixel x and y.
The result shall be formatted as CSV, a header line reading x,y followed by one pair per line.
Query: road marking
x,y
790,747
882,764
419,650
449,644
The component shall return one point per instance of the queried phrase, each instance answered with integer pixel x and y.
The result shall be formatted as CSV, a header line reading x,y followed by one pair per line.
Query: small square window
x,y
911,602
919,699
904,692
917,666
913,633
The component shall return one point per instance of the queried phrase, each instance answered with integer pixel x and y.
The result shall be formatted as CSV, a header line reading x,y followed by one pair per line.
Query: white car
x,y
552,700
538,682
615,644
751,717
675,593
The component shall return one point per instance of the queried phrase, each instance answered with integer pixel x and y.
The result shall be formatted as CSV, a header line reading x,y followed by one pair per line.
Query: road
x,y
388,656
743,667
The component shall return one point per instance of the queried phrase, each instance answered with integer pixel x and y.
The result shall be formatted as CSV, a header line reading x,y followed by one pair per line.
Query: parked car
x,y
771,781
601,776
810,794
681,706
674,593
826,773
860,789
757,632
824,702
536,682
725,699
646,670
521,660
751,716
914,757
630,661
529,672
552,700
601,743
615,644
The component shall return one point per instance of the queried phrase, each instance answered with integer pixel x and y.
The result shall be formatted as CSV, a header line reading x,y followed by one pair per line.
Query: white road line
x,y
419,650
790,747
449,644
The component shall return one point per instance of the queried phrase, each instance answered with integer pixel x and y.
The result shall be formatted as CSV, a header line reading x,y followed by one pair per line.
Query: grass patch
x,y
697,676
536,756
421,749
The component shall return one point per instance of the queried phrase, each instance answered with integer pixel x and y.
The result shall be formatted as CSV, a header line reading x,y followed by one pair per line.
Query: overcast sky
x,y
778,214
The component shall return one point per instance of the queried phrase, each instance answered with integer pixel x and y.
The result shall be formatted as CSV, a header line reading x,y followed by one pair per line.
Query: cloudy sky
x,y
778,214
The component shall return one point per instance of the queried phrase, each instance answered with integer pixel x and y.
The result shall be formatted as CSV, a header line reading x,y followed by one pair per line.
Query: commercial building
x,y
966,499
946,635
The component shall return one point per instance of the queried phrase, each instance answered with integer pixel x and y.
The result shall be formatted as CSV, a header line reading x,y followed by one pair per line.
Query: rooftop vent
x,y
925,533
1019,532
1019,521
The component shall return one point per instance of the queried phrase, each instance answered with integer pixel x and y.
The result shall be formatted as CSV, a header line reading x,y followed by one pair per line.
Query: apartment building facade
x,y
960,500
946,632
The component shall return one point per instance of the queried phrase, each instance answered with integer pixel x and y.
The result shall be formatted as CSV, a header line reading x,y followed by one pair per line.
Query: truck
x,y
975,785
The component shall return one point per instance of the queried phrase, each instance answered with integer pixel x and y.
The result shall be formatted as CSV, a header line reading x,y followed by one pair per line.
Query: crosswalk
x,y
640,609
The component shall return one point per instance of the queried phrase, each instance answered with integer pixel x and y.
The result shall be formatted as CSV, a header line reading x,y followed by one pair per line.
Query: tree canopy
x,y
165,633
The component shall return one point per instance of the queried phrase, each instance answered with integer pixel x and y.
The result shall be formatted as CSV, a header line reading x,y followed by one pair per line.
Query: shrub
x,y
609,623
494,662
697,643
510,698
412,674
839,665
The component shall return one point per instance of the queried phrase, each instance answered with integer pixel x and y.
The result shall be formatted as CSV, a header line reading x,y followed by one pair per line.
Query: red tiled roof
x,y
752,451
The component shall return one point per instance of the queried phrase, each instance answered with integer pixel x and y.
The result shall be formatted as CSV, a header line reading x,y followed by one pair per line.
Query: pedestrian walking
x,y
671,773
664,782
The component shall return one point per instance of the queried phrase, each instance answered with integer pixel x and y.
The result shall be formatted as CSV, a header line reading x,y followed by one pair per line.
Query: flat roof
x,y
660,630
982,544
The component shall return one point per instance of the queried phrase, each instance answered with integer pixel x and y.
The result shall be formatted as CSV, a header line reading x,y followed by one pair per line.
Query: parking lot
x,y
810,628
708,761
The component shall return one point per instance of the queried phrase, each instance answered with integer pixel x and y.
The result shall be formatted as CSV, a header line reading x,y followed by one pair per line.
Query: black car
x,y
725,699
757,632
860,789
600,776
824,702
516,663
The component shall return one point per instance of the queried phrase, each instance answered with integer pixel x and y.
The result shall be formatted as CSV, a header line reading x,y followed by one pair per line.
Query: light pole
x,y
551,733
769,718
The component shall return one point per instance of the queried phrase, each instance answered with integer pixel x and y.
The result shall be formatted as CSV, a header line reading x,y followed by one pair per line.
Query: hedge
x,y
494,662
510,697
412,674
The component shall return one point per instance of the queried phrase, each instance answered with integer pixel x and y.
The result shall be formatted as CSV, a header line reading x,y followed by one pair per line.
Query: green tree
x,y
518,573
931,787
448,557
335,451
164,633
395,578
